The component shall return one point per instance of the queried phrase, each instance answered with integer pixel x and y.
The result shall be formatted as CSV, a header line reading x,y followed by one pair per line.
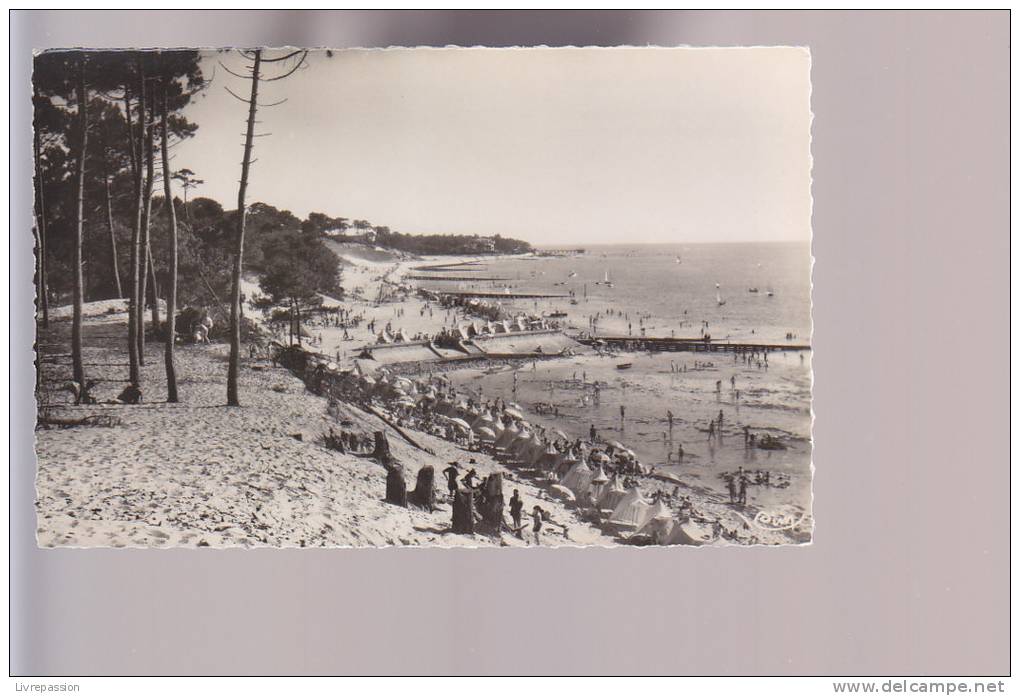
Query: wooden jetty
x,y
473,279
664,344
480,294
453,266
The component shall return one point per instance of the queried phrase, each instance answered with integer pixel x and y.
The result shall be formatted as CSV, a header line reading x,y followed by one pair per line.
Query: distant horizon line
x,y
567,247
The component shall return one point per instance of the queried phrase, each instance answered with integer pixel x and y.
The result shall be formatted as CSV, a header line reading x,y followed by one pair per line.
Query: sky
x,y
554,146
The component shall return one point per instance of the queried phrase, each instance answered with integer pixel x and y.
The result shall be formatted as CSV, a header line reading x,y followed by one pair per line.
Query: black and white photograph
x,y
423,297
510,343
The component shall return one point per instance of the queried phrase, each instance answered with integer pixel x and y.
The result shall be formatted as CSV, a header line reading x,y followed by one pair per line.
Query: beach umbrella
x,y
617,445
485,434
459,423
562,492
599,457
514,413
368,381
560,434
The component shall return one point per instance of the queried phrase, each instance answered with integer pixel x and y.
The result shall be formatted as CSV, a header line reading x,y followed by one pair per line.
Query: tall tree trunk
x,y
42,289
136,233
78,366
147,156
114,261
235,294
154,292
171,291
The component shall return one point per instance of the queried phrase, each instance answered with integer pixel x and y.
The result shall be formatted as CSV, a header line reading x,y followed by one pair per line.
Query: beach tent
x,y
660,519
507,436
464,333
520,446
550,458
612,495
633,510
483,421
564,464
578,479
690,533
536,451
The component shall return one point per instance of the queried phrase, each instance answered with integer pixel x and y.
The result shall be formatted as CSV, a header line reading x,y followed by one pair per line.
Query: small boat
x,y
754,290
770,294
678,260
719,300
572,274
557,315
624,366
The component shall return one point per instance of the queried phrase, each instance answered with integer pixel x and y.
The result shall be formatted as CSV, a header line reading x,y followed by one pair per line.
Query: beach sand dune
x,y
199,473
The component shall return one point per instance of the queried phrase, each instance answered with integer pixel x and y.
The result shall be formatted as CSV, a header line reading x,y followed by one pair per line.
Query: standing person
x,y
680,453
720,418
516,507
747,435
718,386
711,429
669,417
592,434
731,486
743,490
733,381
623,411
452,472
537,514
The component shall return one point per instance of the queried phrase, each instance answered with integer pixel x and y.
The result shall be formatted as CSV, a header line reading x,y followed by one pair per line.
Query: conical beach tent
x,y
690,533
507,436
578,479
612,495
660,518
633,510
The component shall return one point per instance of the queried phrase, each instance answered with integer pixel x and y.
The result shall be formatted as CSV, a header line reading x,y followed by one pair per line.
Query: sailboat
x,y
678,260
605,281
718,298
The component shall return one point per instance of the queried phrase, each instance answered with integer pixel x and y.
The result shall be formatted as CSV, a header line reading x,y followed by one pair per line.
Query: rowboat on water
x,y
624,366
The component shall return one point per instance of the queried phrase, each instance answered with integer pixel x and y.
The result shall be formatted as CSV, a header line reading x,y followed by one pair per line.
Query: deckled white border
x,y
540,47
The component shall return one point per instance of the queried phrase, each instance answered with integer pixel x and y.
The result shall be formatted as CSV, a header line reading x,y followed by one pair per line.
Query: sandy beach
x,y
200,474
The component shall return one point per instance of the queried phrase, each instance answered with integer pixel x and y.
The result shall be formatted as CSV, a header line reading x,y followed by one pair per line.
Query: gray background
x,y
909,570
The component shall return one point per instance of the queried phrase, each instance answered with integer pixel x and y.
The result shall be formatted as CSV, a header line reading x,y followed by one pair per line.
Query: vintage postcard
x,y
423,297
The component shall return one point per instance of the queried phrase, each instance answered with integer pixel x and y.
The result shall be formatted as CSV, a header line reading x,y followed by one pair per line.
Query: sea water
x,y
670,290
